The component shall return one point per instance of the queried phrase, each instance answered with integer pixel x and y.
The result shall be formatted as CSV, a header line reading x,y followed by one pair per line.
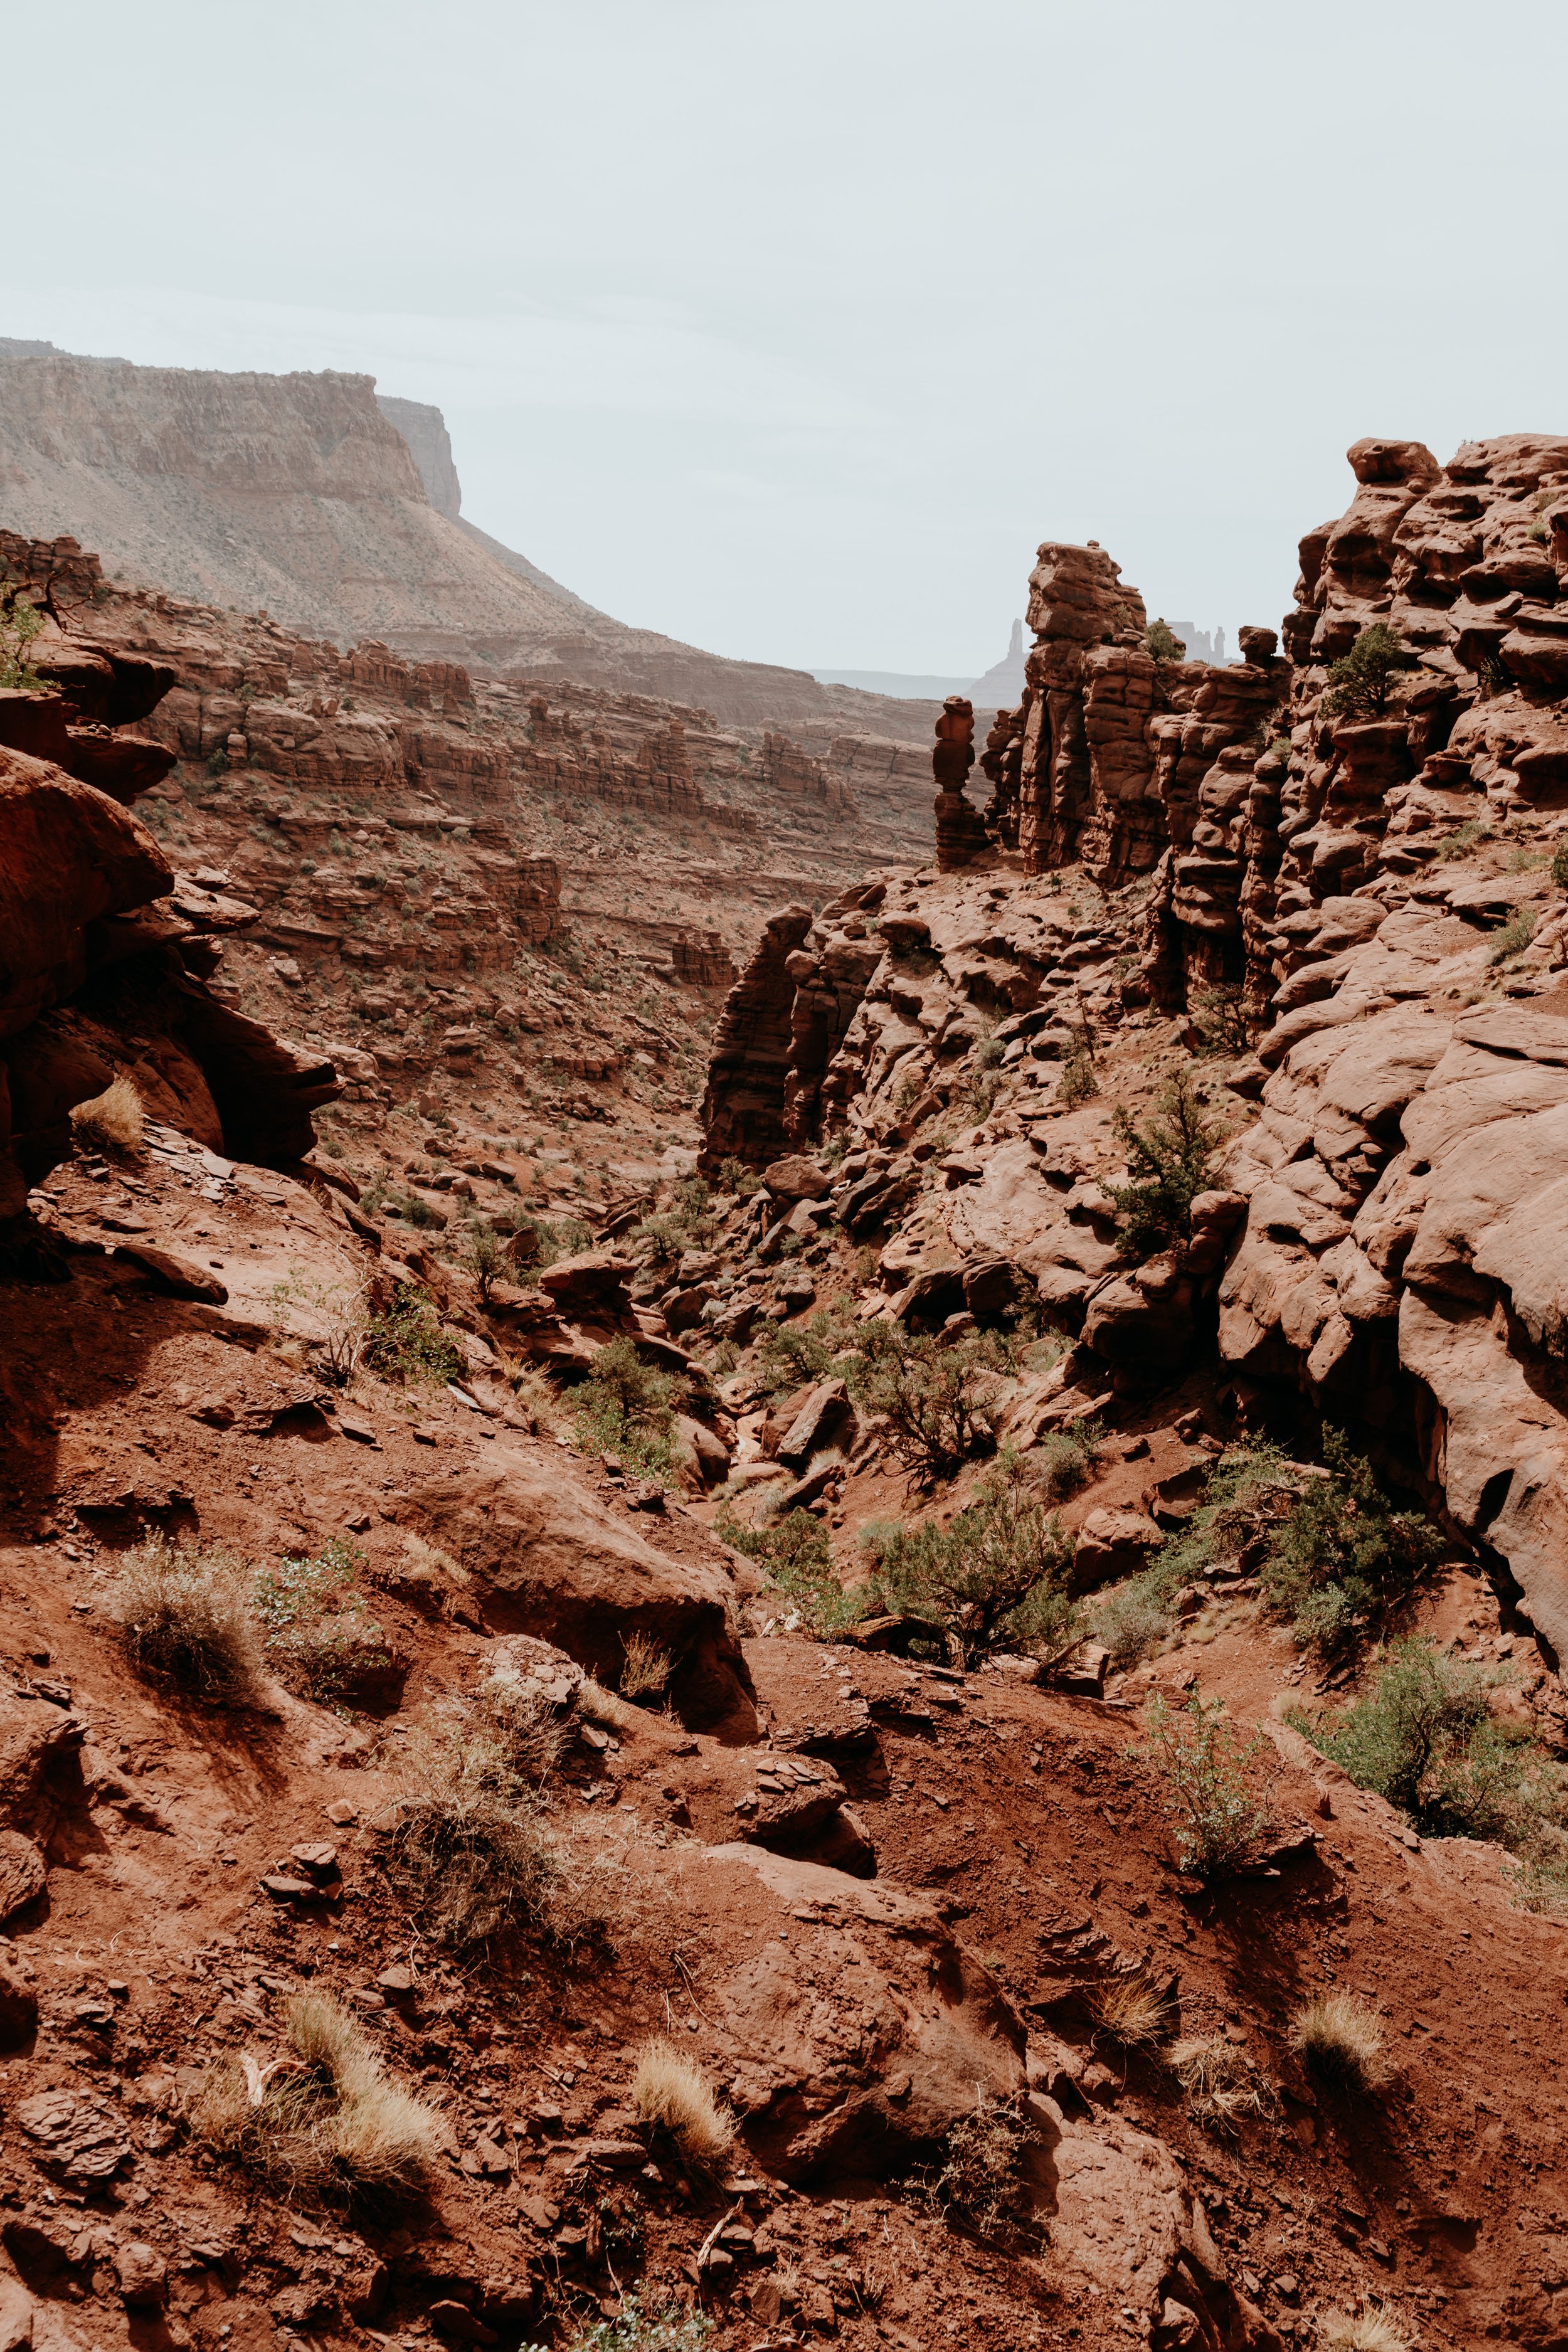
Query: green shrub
x,y
736,1177
413,1209
790,1354
1217,1011
932,1392
1560,865
1338,1558
1425,1738
685,1225
1079,1082
317,1635
484,1254
1362,681
1168,1161
1463,838
1162,642
1204,1761
794,1551
1065,1458
626,1409
407,1343
1516,934
996,1578
633,2329
20,621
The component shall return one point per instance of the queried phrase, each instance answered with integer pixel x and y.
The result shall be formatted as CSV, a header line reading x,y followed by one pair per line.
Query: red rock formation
x,y
959,828
744,1107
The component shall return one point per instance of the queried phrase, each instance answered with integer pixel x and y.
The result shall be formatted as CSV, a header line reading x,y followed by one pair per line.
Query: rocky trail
x,y
865,1573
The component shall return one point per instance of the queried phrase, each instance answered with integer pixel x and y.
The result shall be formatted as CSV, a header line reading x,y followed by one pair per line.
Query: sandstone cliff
x,y
339,514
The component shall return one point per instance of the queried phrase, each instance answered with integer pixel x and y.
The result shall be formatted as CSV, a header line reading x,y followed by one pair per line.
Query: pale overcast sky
x,y
790,325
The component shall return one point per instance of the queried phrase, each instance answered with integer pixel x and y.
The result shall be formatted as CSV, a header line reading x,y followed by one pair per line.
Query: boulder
x,y
543,1560
1112,1543
819,1422
592,1284
22,1873
796,1177
834,2071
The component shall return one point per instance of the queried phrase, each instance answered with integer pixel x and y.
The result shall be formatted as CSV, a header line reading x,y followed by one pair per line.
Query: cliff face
x,y
1376,890
306,497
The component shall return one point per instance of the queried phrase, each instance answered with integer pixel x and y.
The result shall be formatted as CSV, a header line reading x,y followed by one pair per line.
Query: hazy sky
x,y
790,325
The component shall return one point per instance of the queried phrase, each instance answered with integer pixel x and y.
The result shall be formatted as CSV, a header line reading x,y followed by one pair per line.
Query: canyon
x,y
589,1135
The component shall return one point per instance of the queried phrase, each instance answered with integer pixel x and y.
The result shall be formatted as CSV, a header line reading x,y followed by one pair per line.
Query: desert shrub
x,y
111,1121
790,1354
484,1255
1464,838
736,1177
1079,1082
1516,934
686,1223
996,1578
1220,2080
184,1612
633,2329
523,1725
470,1853
931,1392
1218,1013
407,1343
626,1409
987,1055
1169,1161
1425,1738
1131,2008
319,1636
1065,1459
331,1318
1162,642
413,1209
670,2092
329,2120
1560,865
1338,1558
794,1551
537,1242
1362,682
1202,1760
646,1669
983,1093
1339,2037
1128,1621
20,621
982,2184
1372,2329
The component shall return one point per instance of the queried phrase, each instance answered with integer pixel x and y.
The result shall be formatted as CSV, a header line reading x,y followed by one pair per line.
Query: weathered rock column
x,y
960,827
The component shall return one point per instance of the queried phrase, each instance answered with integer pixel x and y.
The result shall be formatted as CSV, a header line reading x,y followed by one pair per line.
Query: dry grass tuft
x,y
645,1667
1373,2331
113,1120
329,2120
1340,2038
1133,2010
470,1854
184,1611
982,2183
673,2094
1220,2080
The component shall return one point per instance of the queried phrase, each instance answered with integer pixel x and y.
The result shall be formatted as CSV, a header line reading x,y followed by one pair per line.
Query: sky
x,y
791,327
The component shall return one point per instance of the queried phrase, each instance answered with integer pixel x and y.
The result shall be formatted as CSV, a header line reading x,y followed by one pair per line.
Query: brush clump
x,y
673,2095
184,1613
328,2120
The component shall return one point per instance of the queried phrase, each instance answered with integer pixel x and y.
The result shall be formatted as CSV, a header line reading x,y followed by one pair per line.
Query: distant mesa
x,y
339,513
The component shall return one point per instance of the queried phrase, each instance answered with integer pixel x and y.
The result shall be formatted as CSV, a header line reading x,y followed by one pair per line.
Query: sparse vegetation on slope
x,y
185,1614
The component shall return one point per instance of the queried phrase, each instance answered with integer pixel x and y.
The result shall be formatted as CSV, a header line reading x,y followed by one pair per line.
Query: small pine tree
x,y
1168,1160
20,621
1160,642
1362,681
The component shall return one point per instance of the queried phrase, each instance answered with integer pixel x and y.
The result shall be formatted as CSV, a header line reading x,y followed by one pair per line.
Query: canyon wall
x,y
1350,904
